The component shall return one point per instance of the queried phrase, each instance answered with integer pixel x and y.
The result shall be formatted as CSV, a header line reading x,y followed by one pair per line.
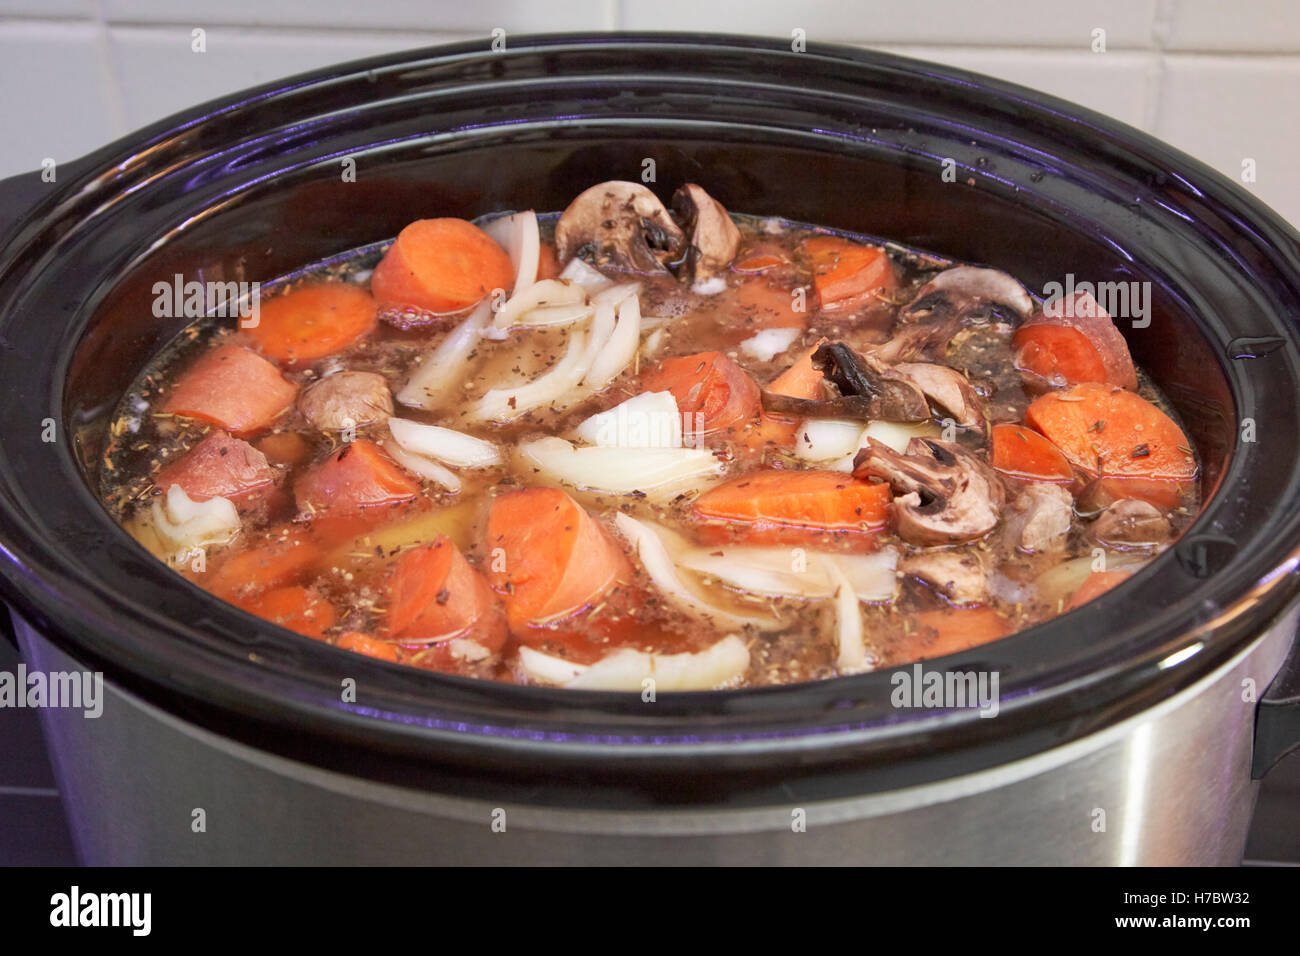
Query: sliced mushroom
x,y
619,225
1041,515
895,397
945,494
347,400
947,302
1129,523
960,575
714,238
948,389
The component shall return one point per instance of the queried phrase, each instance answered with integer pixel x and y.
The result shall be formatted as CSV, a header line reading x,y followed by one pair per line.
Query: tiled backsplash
x,y
1217,79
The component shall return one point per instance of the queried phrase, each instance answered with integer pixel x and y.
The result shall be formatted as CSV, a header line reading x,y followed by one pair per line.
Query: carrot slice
x,y
220,467
356,477
1110,433
363,644
848,274
1058,354
1023,453
950,630
759,263
800,380
293,607
312,321
434,595
765,306
233,387
1085,315
793,507
275,564
713,393
548,262
1095,585
441,265
548,557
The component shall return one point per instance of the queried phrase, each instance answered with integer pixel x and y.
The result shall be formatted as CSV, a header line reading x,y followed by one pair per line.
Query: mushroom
x,y
714,238
619,225
948,301
1042,514
1130,523
961,576
948,389
894,397
346,400
945,494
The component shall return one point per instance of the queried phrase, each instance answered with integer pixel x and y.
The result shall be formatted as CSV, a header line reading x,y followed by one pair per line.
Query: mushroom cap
x,y
346,400
620,225
714,238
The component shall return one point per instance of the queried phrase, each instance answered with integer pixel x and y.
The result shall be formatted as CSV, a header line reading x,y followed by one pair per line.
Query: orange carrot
x,y
1023,453
434,595
1110,433
1095,585
713,393
220,467
312,321
848,274
793,507
1083,314
800,380
363,644
274,564
356,477
548,263
285,448
293,607
764,306
548,557
758,263
1058,355
441,265
232,387
950,630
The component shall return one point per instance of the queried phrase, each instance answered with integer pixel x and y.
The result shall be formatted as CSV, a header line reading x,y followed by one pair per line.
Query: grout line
x,y
107,69
28,792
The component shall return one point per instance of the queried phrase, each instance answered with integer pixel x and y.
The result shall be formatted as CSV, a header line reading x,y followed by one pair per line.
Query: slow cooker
x,y
1130,731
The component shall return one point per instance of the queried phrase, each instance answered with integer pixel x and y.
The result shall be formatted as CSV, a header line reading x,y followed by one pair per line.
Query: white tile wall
x,y
1218,79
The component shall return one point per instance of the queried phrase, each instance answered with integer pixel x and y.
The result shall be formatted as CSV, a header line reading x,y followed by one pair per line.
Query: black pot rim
x,y
254,681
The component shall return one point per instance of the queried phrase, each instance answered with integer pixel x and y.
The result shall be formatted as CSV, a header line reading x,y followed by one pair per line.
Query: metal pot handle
x,y
1277,718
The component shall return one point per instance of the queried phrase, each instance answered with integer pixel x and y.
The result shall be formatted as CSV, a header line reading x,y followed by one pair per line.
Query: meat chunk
x,y
960,575
1130,523
1042,514
347,400
221,466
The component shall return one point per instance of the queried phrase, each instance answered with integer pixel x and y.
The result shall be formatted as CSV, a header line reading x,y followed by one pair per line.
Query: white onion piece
x,y
769,343
549,316
852,657
772,572
434,383
546,668
873,576
896,435
1058,584
710,286
443,444
183,524
506,404
660,474
628,669
547,293
614,294
648,420
655,546
518,236
584,275
424,467
824,439
620,348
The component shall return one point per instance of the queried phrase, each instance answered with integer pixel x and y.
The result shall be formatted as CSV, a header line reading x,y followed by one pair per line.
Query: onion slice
x,y
852,657
443,444
519,237
657,473
655,547
584,275
620,348
183,524
424,467
568,298
648,420
434,383
723,663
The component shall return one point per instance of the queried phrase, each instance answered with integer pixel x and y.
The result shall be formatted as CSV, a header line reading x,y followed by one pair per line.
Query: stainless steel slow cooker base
x,y
1171,786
